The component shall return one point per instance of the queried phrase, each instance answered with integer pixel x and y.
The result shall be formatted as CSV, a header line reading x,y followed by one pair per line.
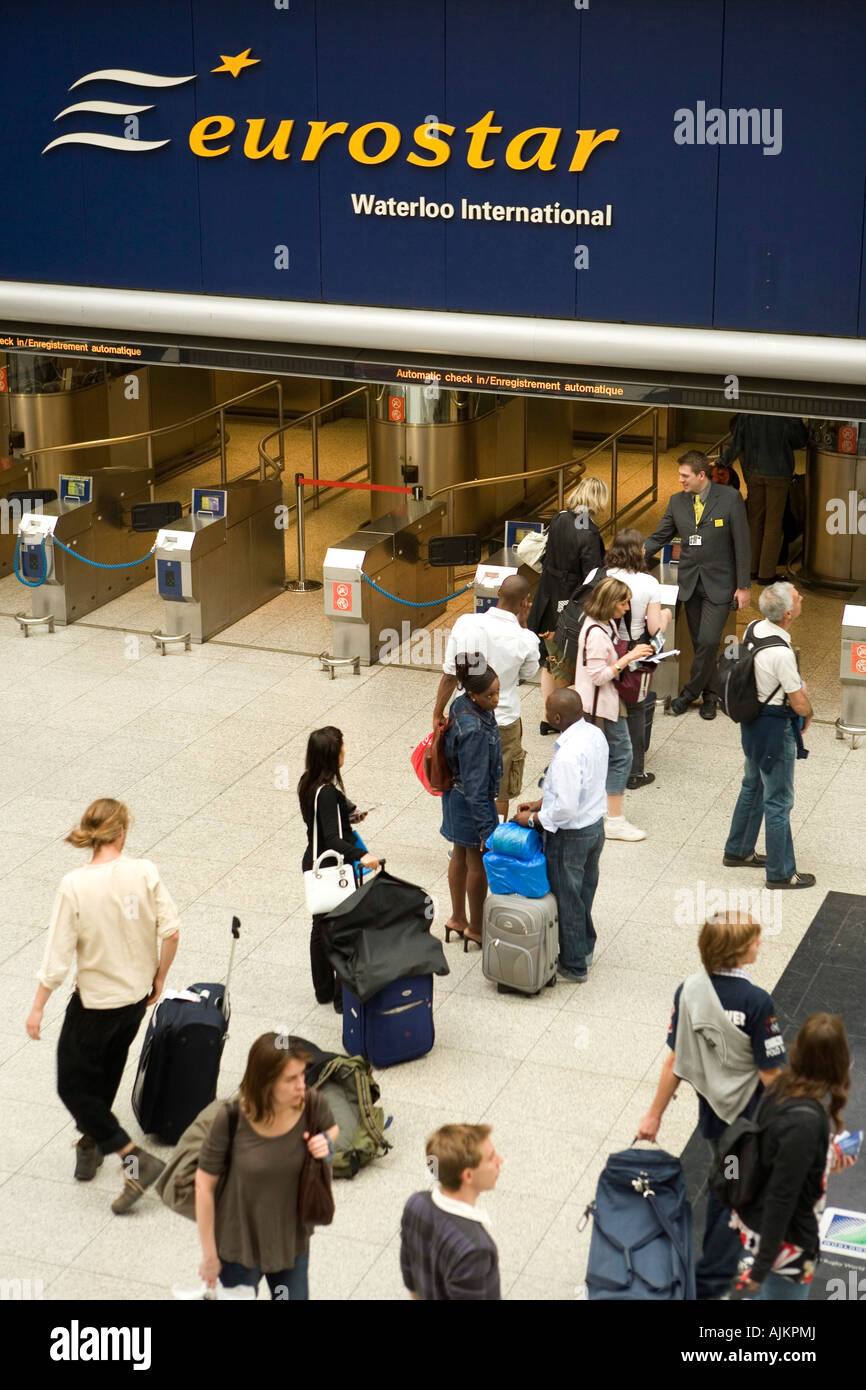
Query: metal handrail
x,y
560,469
150,435
265,459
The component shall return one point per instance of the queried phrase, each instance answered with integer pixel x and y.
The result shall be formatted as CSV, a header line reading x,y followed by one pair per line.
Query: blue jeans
x,y
767,796
777,1287
289,1284
572,867
621,753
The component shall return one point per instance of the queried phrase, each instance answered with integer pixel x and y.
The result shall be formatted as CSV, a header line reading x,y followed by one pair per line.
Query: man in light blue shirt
x,y
571,814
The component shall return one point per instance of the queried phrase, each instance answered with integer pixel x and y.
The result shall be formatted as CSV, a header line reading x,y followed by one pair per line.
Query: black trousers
x,y
91,1055
706,622
324,977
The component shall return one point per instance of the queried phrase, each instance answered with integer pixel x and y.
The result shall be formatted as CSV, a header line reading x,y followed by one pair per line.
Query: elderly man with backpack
x,y
763,692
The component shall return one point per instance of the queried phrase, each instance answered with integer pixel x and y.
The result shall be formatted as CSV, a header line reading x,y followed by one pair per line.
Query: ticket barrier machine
x,y
672,673
14,479
221,562
92,518
392,551
852,670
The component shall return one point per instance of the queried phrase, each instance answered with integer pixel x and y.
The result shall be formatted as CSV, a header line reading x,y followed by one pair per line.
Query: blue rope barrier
x,y
410,603
97,565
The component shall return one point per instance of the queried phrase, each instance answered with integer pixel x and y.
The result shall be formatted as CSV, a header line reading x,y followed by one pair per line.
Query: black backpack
x,y
572,616
735,677
737,1174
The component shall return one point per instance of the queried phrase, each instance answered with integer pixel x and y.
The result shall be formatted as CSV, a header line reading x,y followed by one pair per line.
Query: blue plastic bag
x,y
519,841
505,874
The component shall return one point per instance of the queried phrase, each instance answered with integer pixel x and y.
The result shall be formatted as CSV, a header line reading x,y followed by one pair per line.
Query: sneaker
x,y
640,779
795,881
88,1158
709,709
744,861
619,828
545,728
148,1167
571,977
679,704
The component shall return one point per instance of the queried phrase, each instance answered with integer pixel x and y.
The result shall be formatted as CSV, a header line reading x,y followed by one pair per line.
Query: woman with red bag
x,y
602,657
474,754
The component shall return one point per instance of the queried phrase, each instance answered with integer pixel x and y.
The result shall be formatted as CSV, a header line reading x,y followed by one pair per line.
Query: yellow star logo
x,y
234,65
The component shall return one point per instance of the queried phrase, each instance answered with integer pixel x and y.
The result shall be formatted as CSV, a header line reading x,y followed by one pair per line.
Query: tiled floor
x,y
206,747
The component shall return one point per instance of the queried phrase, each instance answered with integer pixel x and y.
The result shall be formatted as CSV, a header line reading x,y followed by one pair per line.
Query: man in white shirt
x,y
571,813
501,637
772,743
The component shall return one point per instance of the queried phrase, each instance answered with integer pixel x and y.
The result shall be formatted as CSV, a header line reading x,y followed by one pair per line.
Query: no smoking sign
x,y
342,600
858,658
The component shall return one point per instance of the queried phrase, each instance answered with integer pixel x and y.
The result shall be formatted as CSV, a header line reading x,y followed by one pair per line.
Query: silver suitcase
x,y
520,942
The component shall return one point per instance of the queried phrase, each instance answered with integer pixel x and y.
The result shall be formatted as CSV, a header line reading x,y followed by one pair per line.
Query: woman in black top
x,y
801,1110
335,816
574,548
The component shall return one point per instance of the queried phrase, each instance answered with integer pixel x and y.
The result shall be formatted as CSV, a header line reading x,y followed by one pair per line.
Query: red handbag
x,y
418,762
435,762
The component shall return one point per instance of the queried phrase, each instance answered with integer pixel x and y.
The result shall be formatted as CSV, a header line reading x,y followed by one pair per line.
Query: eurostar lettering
x,y
377,142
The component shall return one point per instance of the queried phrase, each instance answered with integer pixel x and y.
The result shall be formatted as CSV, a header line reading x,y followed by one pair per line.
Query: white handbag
x,y
531,549
326,885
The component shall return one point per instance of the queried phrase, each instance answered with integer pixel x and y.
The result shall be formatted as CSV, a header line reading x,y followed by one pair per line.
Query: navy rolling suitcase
x,y
393,1026
180,1060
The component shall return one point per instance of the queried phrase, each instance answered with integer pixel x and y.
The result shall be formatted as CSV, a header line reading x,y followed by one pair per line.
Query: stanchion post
x,y
614,484
301,585
369,423
655,455
315,427
150,467
281,456
560,489
222,430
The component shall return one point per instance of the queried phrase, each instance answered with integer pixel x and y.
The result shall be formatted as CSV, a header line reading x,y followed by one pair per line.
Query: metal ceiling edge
x,y
785,356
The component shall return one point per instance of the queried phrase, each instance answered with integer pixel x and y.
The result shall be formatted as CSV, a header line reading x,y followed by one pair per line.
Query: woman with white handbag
x,y
333,853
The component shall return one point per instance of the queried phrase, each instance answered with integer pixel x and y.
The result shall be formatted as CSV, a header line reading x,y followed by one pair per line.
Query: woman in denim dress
x,y
469,816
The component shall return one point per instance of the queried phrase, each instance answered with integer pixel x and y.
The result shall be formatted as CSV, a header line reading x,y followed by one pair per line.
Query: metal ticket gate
x,y
221,562
14,477
392,553
90,521
852,670
672,674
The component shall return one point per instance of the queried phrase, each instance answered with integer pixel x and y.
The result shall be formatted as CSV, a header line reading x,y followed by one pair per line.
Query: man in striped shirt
x,y
446,1250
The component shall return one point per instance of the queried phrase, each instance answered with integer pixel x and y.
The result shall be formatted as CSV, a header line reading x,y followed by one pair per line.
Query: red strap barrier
x,y
358,487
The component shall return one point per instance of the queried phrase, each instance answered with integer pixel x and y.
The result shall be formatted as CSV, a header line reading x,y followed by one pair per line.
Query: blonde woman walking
x,y
115,919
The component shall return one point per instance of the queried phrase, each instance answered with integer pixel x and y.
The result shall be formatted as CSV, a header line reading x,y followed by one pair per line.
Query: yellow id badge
x,y
720,521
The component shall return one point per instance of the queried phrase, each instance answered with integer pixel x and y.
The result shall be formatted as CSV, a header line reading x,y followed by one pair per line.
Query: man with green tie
x,y
711,523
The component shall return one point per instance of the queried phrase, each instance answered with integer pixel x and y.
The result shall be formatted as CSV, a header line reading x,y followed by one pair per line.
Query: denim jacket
x,y
473,749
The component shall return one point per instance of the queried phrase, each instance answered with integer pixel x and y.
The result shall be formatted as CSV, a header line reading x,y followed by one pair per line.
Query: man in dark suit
x,y
713,571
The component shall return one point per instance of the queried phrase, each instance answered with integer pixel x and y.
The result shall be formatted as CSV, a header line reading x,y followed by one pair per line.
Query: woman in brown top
x,y
253,1228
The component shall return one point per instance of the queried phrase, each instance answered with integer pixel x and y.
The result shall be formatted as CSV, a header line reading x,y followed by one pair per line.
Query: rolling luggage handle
x,y
223,1005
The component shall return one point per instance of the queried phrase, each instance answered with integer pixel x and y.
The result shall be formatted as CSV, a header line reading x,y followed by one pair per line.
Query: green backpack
x,y
348,1086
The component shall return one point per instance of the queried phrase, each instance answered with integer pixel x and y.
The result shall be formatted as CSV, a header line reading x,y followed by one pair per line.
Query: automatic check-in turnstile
x,y
221,562
852,670
92,517
392,552
673,673
14,477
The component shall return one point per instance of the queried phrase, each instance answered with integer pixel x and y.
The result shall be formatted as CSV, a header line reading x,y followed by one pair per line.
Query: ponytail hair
x,y
103,822
473,673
